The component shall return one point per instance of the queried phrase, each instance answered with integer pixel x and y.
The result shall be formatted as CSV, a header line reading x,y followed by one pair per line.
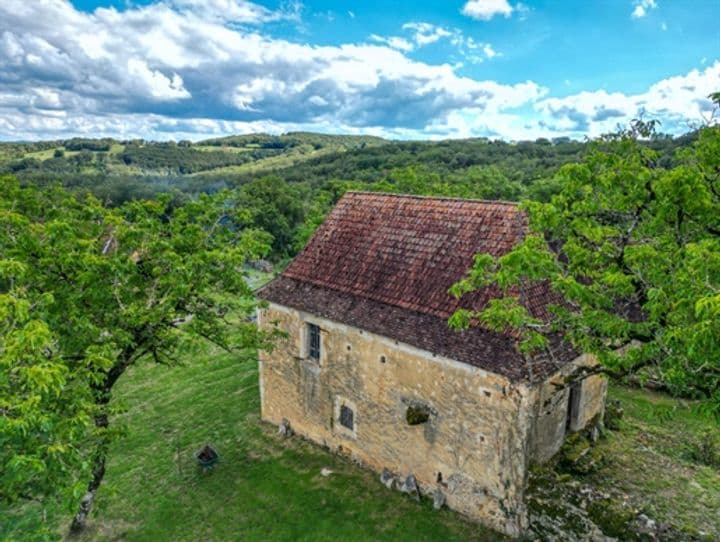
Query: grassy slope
x,y
648,463
266,488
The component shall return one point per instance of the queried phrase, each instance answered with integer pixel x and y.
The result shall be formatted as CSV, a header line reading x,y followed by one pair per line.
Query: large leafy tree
x,y
633,249
86,292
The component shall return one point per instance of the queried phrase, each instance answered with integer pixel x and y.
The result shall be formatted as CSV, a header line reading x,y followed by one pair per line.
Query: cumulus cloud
x,y
168,60
677,102
167,70
642,7
485,10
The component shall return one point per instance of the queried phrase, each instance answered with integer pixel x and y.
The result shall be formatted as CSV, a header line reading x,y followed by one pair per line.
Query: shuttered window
x,y
313,342
347,417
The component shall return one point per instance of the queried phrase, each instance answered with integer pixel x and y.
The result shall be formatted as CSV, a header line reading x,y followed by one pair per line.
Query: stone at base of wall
x,y
515,526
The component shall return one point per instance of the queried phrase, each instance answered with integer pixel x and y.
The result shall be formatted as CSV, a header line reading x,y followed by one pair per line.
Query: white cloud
x,y
485,10
642,7
426,33
157,84
677,102
421,34
394,42
164,60
164,71
238,11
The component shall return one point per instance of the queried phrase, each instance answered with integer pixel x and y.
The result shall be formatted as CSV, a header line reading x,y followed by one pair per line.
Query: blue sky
x,y
176,69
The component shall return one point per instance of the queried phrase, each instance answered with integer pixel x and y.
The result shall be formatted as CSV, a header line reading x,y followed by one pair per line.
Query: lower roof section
x,y
494,352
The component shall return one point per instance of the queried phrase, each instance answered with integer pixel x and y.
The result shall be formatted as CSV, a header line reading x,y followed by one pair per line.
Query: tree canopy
x,y
633,249
85,292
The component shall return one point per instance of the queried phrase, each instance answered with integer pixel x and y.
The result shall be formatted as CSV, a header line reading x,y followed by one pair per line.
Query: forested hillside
x,y
117,171
289,182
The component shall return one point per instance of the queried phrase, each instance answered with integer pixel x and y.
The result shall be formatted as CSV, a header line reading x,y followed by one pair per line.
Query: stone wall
x,y
553,409
473,448
481,433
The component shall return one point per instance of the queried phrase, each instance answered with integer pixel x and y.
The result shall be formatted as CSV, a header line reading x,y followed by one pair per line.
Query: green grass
x,y
264,488
224,148
647,462
269,488
42,155
285,159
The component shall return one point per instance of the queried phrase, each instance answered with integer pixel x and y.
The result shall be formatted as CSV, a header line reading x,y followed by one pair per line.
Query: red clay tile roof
x,y
384,262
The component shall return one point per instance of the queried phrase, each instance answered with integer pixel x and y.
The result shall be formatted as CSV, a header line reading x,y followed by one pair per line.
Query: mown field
x,y
269,488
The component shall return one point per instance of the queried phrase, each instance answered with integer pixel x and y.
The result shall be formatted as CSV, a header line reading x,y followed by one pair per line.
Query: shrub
x,y
613,414
705,449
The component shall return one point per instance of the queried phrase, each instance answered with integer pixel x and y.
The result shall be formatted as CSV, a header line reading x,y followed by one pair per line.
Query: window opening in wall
x,y
417,414
347,417
313,342
574,404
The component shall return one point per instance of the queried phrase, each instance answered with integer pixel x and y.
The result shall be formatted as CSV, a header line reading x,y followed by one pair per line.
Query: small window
x,y
346,417
313,342
574,405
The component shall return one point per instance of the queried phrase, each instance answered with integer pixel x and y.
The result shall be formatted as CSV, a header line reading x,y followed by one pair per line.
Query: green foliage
x,y
634,251
275,207
182,160
85,292
479,168
81,144
705,449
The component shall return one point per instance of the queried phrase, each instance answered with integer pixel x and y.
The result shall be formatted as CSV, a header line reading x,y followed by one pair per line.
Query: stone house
x,y
370,368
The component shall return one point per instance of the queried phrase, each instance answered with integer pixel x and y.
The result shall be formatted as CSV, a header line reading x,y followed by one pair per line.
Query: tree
x,y
633,250
276,207
87,291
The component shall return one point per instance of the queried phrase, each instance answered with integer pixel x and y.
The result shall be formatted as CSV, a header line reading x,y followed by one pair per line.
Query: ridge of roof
x,y
515,204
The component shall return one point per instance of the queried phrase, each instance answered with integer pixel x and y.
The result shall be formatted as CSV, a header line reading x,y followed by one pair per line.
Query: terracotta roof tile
x,y
390,253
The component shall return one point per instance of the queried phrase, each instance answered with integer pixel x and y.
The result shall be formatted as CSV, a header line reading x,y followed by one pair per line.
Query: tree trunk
x,y
80,520
103,394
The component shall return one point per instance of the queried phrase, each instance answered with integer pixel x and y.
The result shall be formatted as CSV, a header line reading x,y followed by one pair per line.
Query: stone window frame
x,y
339,428
314,351
304,341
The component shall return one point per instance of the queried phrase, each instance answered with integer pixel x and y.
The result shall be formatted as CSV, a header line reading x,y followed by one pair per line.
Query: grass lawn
x,y
267,488
264,488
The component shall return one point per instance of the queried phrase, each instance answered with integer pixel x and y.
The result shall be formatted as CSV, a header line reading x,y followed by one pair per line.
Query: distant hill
x,y
123,169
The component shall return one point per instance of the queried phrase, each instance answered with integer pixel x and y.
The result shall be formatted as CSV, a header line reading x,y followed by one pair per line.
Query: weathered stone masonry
x,y
393,387
475,446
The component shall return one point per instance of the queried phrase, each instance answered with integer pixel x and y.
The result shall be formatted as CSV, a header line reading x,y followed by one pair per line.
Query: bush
x,y
705,449
578,455
613,414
